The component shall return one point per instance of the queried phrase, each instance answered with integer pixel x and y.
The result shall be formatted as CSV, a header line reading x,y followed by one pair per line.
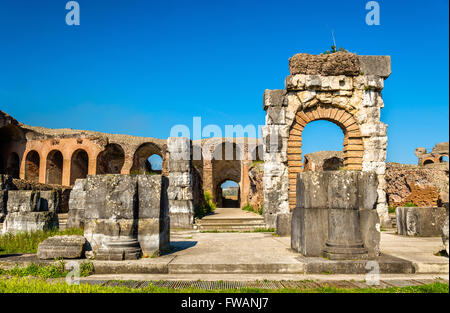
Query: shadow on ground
x,y
180,246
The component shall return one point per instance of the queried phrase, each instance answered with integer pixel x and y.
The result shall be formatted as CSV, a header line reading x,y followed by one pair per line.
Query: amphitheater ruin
x,y
342,88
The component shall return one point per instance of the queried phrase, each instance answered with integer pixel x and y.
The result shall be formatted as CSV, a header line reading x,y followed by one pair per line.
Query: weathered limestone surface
x,y
27,211
126,215
5,185
444,235
335,215
342,88
420,221
67,247
77,204
180,191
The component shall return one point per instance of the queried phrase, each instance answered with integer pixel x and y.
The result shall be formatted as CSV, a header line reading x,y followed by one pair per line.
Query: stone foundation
x,y
27,211
126,216
335,215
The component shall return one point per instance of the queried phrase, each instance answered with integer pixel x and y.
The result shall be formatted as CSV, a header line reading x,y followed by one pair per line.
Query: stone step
x,y
231,227
237,221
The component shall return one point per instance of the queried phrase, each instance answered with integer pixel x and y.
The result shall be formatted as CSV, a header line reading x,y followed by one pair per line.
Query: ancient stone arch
x,y
343,88
79,167
54,167
226,165
32,166
13,165
143,152
111,160
353,143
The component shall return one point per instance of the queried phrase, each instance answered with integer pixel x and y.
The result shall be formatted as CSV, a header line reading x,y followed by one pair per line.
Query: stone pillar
x,y
66,172
77,204
275,141
331,217
208,176
180,192
42,168
154,222
245,182
111,217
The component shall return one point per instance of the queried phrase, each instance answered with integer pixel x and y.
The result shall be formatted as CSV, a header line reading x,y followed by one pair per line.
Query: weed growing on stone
x,y
207,208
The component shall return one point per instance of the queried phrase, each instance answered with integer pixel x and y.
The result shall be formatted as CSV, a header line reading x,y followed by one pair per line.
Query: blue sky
x,y
139,67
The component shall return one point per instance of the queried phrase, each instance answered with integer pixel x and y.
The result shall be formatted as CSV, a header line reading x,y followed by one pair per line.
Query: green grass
x,y
40,285
55,270
27,242
209,207
264,230
249,208
391,209
410,205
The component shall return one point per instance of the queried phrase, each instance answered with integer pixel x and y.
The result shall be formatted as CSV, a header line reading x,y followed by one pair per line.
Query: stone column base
x,y
119,250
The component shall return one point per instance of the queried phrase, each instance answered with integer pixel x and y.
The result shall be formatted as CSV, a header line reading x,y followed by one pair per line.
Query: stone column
x,y
335,215
111,217
347,192
180,194
66,172
275,141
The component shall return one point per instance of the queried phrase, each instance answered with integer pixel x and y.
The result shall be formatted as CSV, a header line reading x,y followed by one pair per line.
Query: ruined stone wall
x,y
256,191
425,186
342,88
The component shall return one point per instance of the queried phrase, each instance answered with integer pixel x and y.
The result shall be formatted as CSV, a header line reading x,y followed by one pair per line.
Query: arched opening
x,y
352,152
228,194
429,161
13,165
443,159
11,135
155,162
79,165
147,159
54,168
226,165
32,163
111,160
322,145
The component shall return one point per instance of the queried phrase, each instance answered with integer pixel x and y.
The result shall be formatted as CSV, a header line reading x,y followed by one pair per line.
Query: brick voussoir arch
x,y
353,143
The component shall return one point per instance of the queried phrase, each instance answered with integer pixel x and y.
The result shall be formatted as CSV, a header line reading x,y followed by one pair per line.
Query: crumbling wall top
x,y
340,63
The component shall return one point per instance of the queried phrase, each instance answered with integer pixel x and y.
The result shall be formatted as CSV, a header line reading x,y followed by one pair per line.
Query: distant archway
x,y
429,161
79,165
13,165
226,165
443,159
111,160
32,164
228,194
141,162
54,168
